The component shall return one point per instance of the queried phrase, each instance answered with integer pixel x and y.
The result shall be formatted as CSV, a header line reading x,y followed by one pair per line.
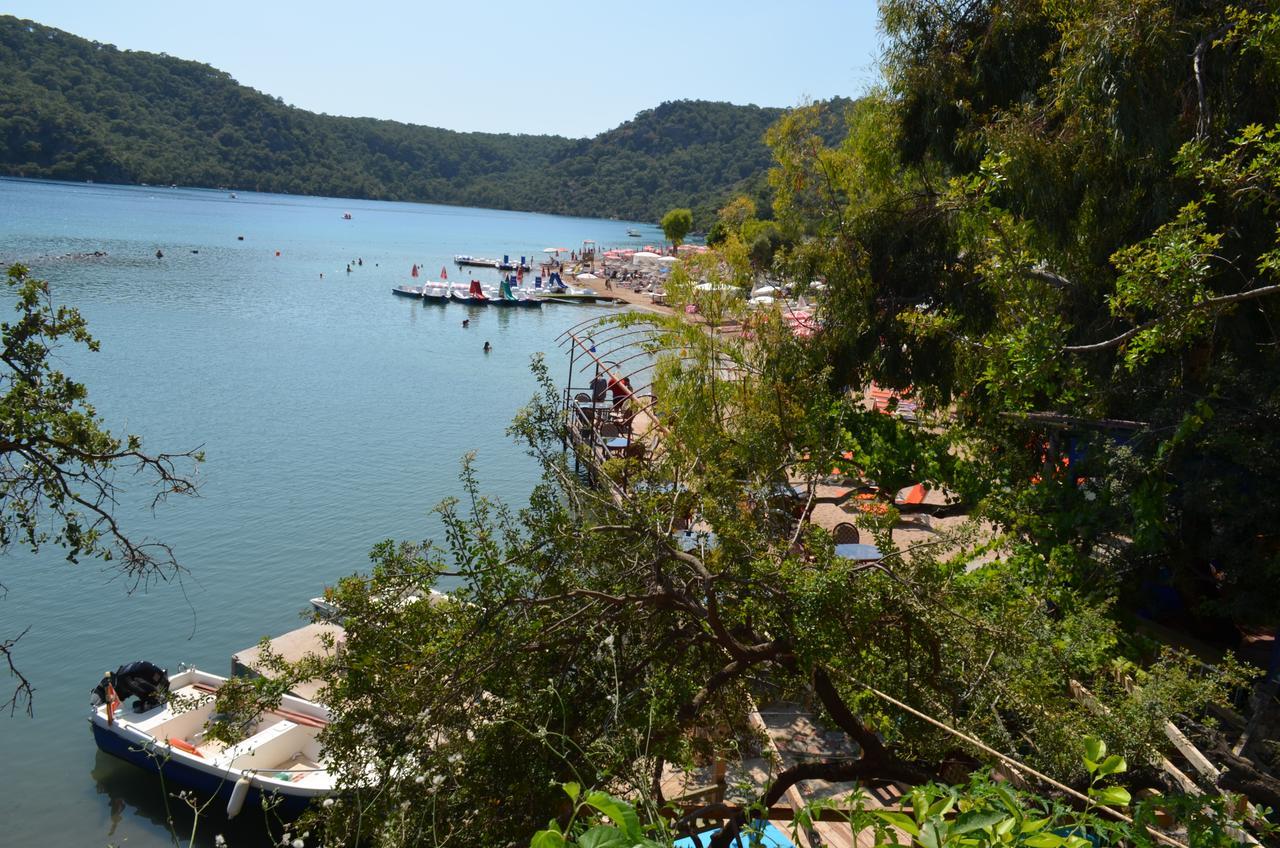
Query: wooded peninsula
x,y
74,109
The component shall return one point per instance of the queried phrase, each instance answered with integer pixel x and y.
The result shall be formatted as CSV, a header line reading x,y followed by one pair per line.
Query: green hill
x,y
75,109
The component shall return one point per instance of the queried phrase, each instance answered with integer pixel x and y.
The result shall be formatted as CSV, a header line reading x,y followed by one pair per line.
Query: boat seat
x,y
282,747
255,746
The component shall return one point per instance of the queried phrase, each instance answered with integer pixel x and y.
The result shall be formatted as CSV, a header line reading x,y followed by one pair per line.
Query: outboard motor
x,y
148,682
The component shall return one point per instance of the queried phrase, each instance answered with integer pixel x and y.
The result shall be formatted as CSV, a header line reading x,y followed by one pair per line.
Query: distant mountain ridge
x,y
76,109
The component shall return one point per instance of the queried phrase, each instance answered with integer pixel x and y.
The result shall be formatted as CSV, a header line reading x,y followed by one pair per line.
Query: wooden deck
x,y
292,646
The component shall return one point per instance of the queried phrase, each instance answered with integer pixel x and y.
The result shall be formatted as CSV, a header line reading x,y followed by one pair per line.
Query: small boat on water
x,y
635,233
508,297
473,296
164,733
503,264
436,292
346,216
432,290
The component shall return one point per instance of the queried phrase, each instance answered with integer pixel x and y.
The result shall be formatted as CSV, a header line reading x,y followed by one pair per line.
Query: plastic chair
x,y
845,534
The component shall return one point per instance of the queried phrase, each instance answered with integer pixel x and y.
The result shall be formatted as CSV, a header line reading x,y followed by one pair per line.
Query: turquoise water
x,y
333,415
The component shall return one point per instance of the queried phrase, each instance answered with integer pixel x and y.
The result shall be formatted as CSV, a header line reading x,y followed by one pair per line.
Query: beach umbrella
x,y
554,249
588,276
765,290
762,300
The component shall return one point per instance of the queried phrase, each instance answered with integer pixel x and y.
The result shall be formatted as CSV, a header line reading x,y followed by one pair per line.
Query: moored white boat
x,y
280,758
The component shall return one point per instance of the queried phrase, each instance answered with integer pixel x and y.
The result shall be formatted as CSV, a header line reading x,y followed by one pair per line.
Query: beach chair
x,y
912,496
583,415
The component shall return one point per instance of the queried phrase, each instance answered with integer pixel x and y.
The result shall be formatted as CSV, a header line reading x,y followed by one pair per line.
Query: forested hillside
x,y
75,109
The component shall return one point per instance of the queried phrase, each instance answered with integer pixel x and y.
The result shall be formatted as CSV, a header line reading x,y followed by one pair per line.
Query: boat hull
x,y
403,291
175,772
515,302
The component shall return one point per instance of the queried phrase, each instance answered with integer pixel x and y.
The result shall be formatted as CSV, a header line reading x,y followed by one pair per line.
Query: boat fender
x,y
184,745
238,793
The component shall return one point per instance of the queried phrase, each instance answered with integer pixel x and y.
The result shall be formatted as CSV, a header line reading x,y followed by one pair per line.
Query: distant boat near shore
x,y
503,264
477,295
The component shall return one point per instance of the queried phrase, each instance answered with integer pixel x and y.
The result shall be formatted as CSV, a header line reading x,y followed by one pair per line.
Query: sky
x,y
549,66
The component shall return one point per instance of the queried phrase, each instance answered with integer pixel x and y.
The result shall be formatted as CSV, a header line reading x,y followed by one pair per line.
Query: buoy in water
x,y
238,793
277,253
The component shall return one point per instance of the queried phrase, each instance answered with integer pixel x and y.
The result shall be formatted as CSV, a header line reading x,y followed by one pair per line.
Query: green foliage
x,y
982,814
581,645
58,464
1053,219
58,461
676,225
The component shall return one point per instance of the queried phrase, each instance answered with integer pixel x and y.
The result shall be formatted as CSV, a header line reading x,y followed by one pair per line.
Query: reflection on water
x,y
129,794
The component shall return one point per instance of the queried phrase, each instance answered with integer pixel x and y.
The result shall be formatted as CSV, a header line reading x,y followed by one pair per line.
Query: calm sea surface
x,y
333,415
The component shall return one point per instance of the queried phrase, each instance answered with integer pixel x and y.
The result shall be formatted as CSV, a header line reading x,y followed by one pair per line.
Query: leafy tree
x,y
737,212
57,463
676,224
1056,225
584,644
1029,227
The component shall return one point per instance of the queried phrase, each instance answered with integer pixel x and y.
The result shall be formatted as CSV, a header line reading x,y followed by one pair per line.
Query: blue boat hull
x,y
204,784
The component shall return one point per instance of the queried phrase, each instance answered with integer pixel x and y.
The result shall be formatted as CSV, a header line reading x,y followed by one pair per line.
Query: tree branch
x,y
1264,291
831,771
23,691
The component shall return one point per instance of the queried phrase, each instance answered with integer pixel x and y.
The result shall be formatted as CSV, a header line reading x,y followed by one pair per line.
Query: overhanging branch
x,y
1212,302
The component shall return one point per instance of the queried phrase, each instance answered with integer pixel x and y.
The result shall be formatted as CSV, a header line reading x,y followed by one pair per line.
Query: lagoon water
x,y
333,415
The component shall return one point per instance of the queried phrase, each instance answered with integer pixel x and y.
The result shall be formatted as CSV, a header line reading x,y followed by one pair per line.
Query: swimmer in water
x,y
487,347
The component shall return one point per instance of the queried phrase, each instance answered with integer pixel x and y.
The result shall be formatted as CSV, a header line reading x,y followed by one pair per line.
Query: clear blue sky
x,y
535,66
